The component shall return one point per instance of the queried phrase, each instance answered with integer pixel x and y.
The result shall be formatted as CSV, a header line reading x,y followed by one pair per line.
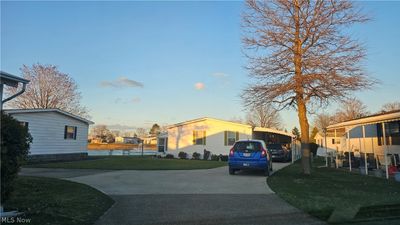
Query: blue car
x,y
249,155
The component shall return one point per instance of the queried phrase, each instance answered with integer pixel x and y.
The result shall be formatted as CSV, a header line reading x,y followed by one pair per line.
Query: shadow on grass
x,y
336,196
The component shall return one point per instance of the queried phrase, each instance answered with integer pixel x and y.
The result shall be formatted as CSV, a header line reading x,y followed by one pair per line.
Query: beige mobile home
x,y
214,135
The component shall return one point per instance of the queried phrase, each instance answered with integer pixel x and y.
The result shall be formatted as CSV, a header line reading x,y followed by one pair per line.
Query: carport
x,y
272,136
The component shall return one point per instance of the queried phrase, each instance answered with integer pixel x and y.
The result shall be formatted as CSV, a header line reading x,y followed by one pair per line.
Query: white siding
x,y
47,130
180,138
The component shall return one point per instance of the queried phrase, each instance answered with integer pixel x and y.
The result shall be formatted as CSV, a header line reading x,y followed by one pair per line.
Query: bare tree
x,y
322,121
350,109
48,88
103,133
141,132
391,106
264,116
299,56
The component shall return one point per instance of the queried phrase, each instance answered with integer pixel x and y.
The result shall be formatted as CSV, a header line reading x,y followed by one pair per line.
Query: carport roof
x,y
270,130
377,118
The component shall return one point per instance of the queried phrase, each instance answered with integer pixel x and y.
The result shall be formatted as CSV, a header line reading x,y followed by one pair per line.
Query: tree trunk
x,y
305,141
301,103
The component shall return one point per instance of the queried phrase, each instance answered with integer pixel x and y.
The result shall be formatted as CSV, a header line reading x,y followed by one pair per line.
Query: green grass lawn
x,y
53,201
134,163
337,196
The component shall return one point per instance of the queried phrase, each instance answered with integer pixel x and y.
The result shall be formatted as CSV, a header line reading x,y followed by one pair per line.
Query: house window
x,y
335,141
392,133
230,137
199,137
70,132
379,132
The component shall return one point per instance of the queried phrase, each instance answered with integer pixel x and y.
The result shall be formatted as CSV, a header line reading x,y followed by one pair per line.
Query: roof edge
x,y
377,118
203,119
16,111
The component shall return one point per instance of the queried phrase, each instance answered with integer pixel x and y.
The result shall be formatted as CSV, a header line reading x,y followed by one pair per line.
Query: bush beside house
x,y
182,155
169,156
219,157
196,156
15,142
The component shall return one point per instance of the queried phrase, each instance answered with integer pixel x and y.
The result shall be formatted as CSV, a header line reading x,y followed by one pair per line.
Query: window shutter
x,y
194,137
65,132
237,135
225,138
204,137
75,131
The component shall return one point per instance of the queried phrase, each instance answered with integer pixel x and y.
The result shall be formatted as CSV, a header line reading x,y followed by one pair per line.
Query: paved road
x,y
185,196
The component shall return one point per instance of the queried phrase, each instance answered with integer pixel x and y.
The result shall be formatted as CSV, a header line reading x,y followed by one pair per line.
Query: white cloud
x,y
223,78
199,86
120,100
135,100
220,75
121,82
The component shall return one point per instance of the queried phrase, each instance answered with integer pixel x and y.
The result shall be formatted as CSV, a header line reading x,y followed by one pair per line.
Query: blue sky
x,y
166,48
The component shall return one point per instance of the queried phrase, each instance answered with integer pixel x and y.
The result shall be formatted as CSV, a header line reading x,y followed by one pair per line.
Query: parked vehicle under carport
x,y
279,153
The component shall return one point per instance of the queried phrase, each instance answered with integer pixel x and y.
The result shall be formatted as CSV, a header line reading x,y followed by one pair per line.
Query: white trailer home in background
x,y
57,135
375,139
214,135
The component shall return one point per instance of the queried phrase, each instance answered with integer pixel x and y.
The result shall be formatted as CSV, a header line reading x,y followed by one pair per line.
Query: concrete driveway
x,y
209,196
211,181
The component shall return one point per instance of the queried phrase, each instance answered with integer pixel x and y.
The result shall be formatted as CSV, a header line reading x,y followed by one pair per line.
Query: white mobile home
x,y
57,135
375,139
214,135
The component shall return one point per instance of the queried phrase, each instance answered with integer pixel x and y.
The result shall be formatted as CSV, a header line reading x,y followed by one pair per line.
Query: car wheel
x,y
231,171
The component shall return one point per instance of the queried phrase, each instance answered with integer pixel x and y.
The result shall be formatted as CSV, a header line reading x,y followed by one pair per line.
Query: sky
x,y
139,63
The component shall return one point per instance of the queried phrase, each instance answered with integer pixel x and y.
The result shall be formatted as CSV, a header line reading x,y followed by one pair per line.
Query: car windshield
x,y
248,146
275,146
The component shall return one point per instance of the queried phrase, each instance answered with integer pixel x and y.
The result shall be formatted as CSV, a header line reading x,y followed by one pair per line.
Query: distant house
x,y
57,135
214,135
333,143
149,140
127,140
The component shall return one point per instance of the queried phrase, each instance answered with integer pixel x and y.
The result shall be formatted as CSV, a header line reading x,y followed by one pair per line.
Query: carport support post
x,y
349,148
385,150
326,149
336,147
373,153
365,151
